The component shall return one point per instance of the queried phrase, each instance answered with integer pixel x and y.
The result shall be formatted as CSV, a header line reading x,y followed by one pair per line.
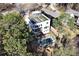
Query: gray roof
x,y
52,13
76,13
39,17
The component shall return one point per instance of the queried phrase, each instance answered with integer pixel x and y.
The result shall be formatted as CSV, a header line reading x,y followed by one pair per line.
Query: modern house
x,y
40,26
38,22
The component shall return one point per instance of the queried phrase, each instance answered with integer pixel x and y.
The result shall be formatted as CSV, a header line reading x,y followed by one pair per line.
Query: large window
x,y
36,30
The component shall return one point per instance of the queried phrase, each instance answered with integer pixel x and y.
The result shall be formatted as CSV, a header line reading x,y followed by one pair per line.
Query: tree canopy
x,y
15,33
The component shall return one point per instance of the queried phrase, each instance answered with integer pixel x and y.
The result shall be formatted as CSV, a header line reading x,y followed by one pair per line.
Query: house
x,y
40,26
52,13
75,14
38,22
71,11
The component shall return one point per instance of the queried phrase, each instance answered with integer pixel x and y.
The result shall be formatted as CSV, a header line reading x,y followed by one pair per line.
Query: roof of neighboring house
x,y
52,13
38,17
28,6
76,13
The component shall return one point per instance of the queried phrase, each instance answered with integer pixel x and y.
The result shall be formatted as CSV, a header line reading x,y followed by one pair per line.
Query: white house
x,y
38,22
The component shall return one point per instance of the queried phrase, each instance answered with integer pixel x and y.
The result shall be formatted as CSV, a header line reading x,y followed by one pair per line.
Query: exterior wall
x,y
43,27
78,21
26,18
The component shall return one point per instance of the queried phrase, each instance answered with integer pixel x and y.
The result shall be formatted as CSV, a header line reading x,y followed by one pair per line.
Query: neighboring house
x,y
75,14
71,11
52,13
38,22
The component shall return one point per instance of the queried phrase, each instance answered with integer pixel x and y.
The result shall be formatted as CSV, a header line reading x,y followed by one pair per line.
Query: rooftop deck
x,y
39,17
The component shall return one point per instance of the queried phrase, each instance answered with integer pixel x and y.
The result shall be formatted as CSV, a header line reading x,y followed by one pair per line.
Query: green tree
x,y
15,34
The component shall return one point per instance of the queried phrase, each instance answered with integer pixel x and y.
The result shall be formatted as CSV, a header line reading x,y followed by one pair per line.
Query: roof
x,y
27,6
52,13
38,17
76,13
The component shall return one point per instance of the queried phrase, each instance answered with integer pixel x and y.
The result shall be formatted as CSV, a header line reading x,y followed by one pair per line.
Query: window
x,y
36,25
46,27
46,22
33,30
41,24
36,30
33,22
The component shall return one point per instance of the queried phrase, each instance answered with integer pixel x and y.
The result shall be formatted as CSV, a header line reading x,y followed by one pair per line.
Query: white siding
x,y
44,24
26,19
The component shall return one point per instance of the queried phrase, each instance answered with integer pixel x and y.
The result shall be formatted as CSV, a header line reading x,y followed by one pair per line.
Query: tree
x,y
65,26
15,34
